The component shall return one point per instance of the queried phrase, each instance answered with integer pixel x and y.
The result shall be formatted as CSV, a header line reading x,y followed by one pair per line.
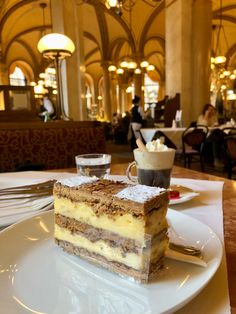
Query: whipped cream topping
x,y
139,193
77,180
156,146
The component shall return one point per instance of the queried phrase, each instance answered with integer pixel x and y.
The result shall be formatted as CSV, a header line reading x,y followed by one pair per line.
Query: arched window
x,y
151,89
17,78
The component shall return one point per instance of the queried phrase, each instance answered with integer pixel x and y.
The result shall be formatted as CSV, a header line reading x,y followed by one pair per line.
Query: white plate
x,y
186,194
38,277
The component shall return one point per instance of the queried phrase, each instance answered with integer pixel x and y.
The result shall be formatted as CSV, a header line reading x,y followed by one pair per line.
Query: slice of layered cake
x,y
118,226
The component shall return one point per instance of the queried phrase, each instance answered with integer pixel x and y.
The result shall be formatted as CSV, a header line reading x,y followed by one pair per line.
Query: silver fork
x,y
185,249
30,191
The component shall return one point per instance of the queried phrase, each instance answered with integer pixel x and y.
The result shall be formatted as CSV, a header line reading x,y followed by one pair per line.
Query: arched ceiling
x,y
106,35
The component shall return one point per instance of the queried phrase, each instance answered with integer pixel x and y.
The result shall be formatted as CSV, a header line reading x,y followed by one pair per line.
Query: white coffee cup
x,y
153,168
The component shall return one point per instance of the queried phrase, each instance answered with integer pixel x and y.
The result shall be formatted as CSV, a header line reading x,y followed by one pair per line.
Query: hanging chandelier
x,y
219,58
129,64
118,5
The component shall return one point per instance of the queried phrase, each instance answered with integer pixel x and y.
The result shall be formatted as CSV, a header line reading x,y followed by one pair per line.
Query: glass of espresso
x,y
153,168
90,165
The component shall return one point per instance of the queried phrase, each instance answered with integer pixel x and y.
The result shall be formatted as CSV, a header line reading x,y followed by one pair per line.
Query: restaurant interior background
x,y
174,54
176,39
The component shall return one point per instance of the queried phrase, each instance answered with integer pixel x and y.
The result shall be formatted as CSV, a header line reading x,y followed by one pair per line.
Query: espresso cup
x,y
153,168
90,165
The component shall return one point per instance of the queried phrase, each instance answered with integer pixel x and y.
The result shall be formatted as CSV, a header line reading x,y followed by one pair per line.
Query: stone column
x,y
114,98
107,92
161,92
67,19
188,44
201,56
4,78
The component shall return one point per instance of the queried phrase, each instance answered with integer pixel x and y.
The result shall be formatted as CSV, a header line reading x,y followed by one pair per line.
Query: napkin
x,y
13,210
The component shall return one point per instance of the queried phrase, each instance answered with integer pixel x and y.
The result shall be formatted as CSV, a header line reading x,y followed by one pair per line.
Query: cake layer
x,y
135,259
94,234
110,197
112,239
126,225
147,272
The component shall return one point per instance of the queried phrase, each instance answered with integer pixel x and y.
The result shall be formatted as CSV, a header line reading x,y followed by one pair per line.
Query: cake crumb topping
x,y
77,180
139,193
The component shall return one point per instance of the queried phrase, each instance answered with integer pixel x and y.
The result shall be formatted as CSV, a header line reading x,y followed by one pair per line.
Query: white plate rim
x,y
213,268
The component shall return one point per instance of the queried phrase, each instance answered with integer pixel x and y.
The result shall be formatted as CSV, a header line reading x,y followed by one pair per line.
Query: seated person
x,y
208,116
48,109
215,140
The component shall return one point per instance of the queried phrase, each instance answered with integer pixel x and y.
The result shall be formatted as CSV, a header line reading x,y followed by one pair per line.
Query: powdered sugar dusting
x,y
77,180
139,193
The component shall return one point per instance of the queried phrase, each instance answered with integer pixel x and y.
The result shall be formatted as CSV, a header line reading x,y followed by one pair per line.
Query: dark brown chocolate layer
x,y
100,195
96,234
149,272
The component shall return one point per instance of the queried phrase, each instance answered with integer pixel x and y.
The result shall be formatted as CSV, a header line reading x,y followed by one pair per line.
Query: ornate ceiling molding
x,y
29,30
147,25
10,11
103,33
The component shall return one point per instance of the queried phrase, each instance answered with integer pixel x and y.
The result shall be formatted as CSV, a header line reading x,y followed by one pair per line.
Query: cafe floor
x,y
123,154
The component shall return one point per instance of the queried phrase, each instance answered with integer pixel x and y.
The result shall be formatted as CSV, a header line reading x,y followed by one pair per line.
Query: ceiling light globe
x,y
124,64
231,97
119,71
56,44
144,64
42,75
129,89
112,68
150,67
220,59
226,73
137,71
132,65
111,3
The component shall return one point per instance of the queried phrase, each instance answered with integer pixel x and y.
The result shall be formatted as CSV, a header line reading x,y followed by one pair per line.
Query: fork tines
x,y
42,188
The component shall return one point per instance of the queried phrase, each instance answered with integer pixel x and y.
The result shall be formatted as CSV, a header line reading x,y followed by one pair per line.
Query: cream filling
x,y
100,247
136,261
126,225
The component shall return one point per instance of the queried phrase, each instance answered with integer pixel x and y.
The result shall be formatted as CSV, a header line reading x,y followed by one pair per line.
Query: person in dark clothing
x,y
137,120
137,116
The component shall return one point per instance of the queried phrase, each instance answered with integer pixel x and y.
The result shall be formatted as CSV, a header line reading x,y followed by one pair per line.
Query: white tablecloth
x,y
207,208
